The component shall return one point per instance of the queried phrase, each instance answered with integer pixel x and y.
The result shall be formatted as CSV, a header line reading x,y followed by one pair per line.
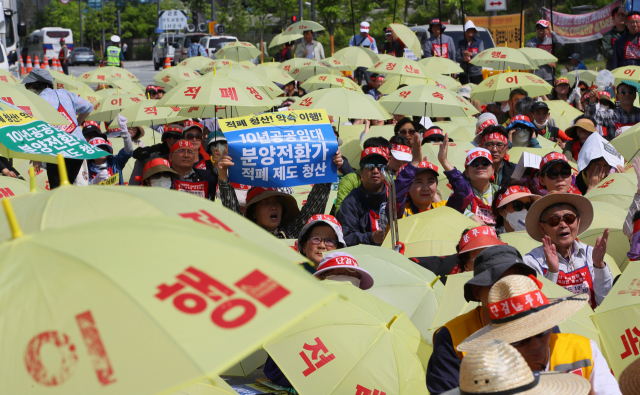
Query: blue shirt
x,y
196,49
580,66
358,41
72,104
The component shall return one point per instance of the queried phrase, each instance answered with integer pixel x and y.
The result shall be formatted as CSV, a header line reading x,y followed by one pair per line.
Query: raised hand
x,y
551,255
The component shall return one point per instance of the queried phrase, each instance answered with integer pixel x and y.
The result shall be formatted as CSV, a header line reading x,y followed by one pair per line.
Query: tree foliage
x,y
234,16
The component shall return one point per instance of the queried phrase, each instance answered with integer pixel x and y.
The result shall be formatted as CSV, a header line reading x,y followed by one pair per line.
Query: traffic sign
x,y
495,5
172,20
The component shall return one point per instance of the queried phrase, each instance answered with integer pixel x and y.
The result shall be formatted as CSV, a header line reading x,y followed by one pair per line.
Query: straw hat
x,y
497,367
581,203
630,379
520,310
583,123
289,204
515,192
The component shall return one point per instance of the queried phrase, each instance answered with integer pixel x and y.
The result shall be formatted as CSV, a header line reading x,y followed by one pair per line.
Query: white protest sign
x,y
527,161
597,147
410,55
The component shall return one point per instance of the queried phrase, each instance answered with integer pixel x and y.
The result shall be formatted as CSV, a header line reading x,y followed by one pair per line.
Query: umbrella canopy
x,y
305,72
452,303
457,154
146,113
448,82
439,65
296,63
102,74
400,66
10,186
392,82
125,85
540,57
68,82
301,27
497,88
248,364
562,112
281,39
588,76
521,241
197,62
627,142
355,57
272,74
616,319
355,341
431,233
222,64
7,77
108,108
30,103
408,37
503,58
323,81
128,319
332,62
606,215
213,385
402,283
617,189
457,132
340,102
269,64
427,101
626,73
174,76
247,64
238,51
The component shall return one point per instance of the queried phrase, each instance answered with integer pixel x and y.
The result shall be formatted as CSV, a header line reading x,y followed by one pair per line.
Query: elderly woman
x,y
556,220
511,207
555,174
322,233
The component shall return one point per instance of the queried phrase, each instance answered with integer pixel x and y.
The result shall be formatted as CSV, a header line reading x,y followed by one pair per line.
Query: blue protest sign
x,y
284,149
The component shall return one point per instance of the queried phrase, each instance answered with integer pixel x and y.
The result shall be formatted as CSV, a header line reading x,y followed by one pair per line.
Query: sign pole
x,y
80,11
553,69
521,22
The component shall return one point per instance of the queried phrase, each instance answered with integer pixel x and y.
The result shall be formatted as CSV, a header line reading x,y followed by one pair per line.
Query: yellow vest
x,y
409,212
571,353
464,326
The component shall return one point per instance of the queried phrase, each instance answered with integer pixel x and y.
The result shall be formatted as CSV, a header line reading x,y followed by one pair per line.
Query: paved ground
x,y
141,69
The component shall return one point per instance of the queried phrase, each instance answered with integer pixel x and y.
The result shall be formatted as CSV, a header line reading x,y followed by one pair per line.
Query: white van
x,y
46,41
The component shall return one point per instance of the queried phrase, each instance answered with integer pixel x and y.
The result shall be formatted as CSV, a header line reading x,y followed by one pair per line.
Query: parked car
x,y
456,32
213,43
165,46
82,55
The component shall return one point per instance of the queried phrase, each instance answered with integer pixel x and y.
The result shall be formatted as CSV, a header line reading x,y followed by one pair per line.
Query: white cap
x,y
465,91
114,39
364,27
469,25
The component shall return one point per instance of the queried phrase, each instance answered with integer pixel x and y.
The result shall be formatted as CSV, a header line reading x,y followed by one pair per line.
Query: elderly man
x,y
363,39
494,139
543,41
375,82
619,17
439,45
545,125
310,48
626,49
613,121
468,48
73,108
195,181
556,220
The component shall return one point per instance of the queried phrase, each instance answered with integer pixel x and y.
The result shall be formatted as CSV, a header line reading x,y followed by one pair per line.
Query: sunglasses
x,y
555,220
185,151
371,166
483,163
528,340
161,174
626,92
491,145
327,242
405,131
518,205
583,90
554,173
193,136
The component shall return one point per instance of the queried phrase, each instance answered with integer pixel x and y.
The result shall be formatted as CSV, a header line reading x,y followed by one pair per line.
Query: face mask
x,y
342,277
162,182
521,138
516,219
541,125
221,147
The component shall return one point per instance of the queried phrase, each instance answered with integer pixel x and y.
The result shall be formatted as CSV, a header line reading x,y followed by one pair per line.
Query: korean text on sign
x,y
278,150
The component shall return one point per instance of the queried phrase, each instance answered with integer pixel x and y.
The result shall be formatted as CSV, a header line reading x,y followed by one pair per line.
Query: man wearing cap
x,y
514,97
364,40
562,91
155,92
577,62
433,135
556,220
310,48
626,49
71,106
158,173
171,134
555,174
619,17
114,163
545,125
195,181
523,316
494,139
548,43
63,56
438,44
193,131
113,54
627,114
375,82
521,132
468,48
392,46
490,265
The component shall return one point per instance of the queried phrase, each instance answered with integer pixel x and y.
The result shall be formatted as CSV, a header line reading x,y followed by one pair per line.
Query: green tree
x,y
261,15
234,16
330,12
172,5
139,21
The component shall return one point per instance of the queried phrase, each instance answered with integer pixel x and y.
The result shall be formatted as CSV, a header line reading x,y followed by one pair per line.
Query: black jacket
x,y
354,215
144,153
507,171
439,265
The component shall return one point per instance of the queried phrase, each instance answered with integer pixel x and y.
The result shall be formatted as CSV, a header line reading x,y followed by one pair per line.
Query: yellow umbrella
x,y
392,82
108,108
351,147
456,132
280,39
10,186
588,76
617,189
197,62
504,58
8,78
498,87
617,320
32,104
401,66
355,344
210,386
147,113
540,57
452,303
237,51
146,317
269,64
302,26
439,65
301,73
322,81
247,65
221,64
402,283
562,112
408,37
605,216
626,73
273,74
124,85
248,364
294,63
102,74
356,57
427,101
521,241
340,102
331,62
175,75
447,81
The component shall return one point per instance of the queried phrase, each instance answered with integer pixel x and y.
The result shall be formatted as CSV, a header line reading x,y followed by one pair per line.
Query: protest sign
x,y
22,136
527,161
584,27
503,28
597,147
281,150
113,180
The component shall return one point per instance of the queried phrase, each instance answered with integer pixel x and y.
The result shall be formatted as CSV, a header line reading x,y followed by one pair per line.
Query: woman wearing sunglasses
x,y
192,131
556,220
511,206
555,174
479,172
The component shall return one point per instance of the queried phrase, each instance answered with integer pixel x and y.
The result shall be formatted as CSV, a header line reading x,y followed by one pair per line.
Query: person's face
x,y
620,18
195,136
340,271
312,251
599,162
376,122
535,350
133,131
308,36
183,157
634,26
395,164
574,62
541,115
377,83
626,94
289,88
389,38
407,130
268,213
469,34
582,134
424,188
525,204
495,109
497,148
436,30
147,181
482,172
513,101
171,139
372,179
541,31
471,257
563,234
562,179
562,89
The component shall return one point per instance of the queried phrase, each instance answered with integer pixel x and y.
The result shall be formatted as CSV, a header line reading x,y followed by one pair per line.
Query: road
x,y
141,69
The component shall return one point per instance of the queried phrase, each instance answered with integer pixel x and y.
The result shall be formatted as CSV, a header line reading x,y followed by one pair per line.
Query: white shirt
x,y
310,53
602,381
581,256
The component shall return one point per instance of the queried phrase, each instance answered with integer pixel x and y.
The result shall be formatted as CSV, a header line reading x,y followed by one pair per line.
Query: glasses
x,y
554,173
327,242
404,132
185,151
492,145
583,90
193,136
555,220
528,340
518,205
483,163
371,166
626,92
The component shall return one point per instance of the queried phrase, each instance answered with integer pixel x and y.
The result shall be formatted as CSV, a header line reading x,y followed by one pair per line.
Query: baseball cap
x,y
102,143
538,105
477,153
426,165
373,151
562,81
401,152
542,23
485,120
364,27
38,75
520,120
328,220
173,130
192,124
551,159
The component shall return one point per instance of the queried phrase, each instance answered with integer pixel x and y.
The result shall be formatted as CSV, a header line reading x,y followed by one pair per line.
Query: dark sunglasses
x,y
554,173
405,131
555,220
483,163
371,166
583,90
528,340
518,205
161,174
626,92
327,242
193,136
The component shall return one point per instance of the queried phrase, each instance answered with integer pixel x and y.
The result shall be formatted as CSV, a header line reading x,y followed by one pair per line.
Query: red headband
x,y
604,93
511,190
427,165
99,141
552,156
477,153
373,151
191,123
633,16
338,262
180,144
401,148
494,136
520,118
154,163
323,217
431,132
518,304
543,23
91,123
173,129
379,78
255,191
486,124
